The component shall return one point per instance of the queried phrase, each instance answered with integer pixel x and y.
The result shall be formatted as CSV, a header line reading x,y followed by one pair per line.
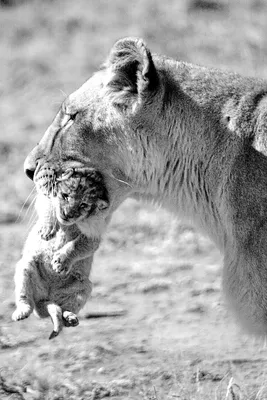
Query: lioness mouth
x,y
45,181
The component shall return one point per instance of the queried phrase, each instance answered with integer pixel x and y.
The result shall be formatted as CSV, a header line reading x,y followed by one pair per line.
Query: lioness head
x,y
106,124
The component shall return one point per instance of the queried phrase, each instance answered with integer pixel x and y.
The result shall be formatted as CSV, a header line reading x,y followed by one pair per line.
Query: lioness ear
x,y
134,73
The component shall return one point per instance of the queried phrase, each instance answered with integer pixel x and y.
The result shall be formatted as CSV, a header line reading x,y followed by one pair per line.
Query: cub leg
x,y
74,250
55,313
23,291
78,294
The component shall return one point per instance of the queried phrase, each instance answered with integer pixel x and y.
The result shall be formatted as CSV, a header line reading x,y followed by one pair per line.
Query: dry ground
x,y
176,340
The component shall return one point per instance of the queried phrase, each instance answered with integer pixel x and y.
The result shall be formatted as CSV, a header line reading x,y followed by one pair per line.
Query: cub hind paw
x,y
70,319
21,312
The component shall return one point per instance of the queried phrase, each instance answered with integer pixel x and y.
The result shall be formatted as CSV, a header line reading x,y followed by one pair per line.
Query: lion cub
x,y
52,277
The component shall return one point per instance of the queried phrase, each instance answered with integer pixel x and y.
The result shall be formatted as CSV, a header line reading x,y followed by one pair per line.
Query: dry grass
x,y
176,341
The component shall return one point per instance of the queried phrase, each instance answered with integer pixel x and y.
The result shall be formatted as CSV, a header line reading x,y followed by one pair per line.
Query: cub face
x,y
72,208
79,196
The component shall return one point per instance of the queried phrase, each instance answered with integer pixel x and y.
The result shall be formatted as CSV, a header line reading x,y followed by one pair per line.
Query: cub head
x,y
78,197
109,123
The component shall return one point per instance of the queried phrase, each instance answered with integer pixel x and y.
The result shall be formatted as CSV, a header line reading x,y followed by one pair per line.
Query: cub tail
x,y
55,313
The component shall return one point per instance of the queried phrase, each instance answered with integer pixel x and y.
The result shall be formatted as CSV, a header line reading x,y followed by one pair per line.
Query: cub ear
x,y
134,75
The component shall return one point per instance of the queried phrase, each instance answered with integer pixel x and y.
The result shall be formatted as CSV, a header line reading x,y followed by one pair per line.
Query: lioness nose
x,y
29,173
29,167
30,164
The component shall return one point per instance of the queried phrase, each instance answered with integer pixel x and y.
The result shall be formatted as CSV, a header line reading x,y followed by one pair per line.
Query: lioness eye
x,y
67,118
73,116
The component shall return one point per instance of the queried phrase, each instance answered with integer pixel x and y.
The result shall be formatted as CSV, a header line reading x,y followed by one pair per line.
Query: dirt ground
x,y
174,337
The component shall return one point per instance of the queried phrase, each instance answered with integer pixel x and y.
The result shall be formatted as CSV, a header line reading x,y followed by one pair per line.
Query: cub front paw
x,y
22,312
60,264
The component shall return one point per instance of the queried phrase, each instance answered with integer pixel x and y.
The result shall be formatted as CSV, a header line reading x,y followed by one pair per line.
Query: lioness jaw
x,y
190,137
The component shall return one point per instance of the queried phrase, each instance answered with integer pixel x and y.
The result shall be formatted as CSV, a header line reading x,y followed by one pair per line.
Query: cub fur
x,y
186,136
52,276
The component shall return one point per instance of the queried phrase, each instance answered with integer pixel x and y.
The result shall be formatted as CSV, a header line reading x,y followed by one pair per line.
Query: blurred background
x,y
176,339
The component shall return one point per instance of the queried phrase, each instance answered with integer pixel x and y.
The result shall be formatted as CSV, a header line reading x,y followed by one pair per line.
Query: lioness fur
x,y
189,137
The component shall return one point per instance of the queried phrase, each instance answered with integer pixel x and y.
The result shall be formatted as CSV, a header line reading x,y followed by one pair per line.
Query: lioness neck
x,y
186,163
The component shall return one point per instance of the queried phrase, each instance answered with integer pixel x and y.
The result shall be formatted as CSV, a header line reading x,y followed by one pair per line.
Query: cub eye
x,y
64,196
84,205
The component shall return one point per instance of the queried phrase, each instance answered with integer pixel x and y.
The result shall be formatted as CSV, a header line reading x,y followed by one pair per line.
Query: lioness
x,y
190,137
52,277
